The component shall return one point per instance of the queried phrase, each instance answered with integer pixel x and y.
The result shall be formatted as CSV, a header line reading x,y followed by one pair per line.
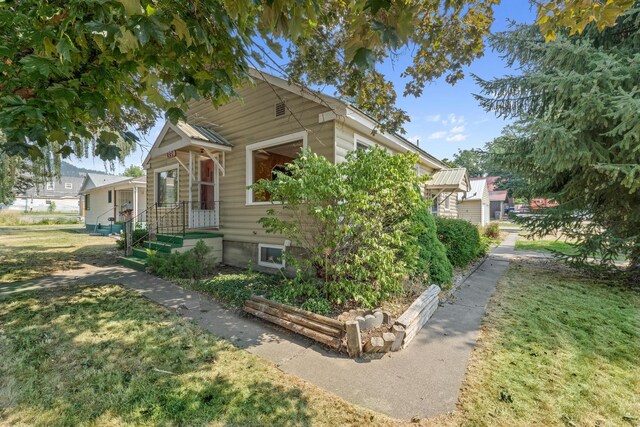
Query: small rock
x,y
370,321
361,321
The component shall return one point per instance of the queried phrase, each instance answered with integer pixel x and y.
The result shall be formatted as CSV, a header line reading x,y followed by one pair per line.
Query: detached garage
x,y
474,205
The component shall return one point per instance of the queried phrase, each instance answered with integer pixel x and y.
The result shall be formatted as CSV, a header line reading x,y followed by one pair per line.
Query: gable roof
x,y
498,196
93,180
59,188
449,178
189,134
477,191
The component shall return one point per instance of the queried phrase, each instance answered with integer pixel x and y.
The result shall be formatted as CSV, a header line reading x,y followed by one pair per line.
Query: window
x,y
50,186
270,255
434,206
68,186
109,196
265,159
447,204
87,201
167,186
361,143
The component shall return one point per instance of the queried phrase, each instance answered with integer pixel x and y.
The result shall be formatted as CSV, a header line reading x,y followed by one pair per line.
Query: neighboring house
x,y
444,187
198,170
59,195
107,196
475,205
499,203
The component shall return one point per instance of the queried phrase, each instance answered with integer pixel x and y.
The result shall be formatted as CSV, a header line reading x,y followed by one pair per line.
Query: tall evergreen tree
x,y
576,138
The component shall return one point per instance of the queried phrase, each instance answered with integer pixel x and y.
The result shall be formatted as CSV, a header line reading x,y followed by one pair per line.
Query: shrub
x,y
52,207
492,230
461,239
192,264
432,255
361,214
139,234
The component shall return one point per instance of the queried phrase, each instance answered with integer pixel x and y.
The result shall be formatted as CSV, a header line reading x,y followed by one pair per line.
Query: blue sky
x,y
444,119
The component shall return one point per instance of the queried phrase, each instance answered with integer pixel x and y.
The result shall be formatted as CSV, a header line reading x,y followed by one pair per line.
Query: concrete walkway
x,y
421,381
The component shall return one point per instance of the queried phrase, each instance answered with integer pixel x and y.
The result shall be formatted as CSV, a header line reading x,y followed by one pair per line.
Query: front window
x,y
447,205
109,196
434,206
265,160
87,202
167,186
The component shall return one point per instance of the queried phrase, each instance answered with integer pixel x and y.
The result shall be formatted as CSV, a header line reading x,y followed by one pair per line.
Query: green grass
x,y
556,348
546,246
234,288
11,220
27,253
106,356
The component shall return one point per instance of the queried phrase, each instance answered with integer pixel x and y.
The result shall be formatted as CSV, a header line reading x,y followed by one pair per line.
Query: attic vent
x,y
281,109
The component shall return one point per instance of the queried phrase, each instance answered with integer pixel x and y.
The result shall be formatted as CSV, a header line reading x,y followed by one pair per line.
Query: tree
x,y
134,171
354,221
474,160
79,77
576,136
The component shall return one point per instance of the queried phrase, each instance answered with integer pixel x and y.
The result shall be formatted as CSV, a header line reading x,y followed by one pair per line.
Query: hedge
x,y
461,240
432,258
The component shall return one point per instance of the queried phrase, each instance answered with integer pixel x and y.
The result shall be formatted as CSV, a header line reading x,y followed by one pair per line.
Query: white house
x,y
105,197
474,205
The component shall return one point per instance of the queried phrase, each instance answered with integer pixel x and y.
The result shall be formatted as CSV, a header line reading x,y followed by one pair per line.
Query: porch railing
x,y
204,214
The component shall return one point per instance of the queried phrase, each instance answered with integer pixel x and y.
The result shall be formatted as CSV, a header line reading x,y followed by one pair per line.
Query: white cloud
x,y
456,137
434,118
452,119
457,129
438,135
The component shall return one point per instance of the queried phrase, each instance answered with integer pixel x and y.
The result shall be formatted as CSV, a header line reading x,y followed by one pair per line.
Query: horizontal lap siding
x,y
249,121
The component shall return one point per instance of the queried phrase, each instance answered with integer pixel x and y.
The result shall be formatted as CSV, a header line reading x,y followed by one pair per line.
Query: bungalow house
x,y
105,197
59,195
474,206
198,170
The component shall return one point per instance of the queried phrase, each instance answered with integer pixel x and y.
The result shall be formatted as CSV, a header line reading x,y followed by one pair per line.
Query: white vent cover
x,y
281,109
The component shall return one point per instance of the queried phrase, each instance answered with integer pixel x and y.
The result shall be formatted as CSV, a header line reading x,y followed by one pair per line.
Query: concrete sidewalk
x,y
421,381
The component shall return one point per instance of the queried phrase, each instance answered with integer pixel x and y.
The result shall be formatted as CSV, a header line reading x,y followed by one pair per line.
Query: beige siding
x,y
471,210
452,212
251,121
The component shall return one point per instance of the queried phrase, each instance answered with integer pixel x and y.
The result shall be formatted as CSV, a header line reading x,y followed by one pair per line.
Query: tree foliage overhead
x,y
577,134
79,75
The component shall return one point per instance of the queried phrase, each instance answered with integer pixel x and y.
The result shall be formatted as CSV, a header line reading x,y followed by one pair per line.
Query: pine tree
x,y
576,137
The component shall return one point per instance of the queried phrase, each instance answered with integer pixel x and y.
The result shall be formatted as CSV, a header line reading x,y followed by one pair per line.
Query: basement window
x,y
270,255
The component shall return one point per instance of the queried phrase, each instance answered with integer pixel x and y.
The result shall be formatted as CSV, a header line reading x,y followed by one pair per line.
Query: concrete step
x,y
133,262
161,246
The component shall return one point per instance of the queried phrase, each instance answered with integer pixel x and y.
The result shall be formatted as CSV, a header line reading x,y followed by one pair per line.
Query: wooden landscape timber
x,y
418,313
319,328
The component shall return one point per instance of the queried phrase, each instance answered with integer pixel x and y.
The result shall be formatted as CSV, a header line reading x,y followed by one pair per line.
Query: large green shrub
x,y
432,255
192,264
461,239
353,221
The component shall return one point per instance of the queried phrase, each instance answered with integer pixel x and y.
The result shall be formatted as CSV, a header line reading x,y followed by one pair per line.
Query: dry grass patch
x,y
28,254
557,348
106,356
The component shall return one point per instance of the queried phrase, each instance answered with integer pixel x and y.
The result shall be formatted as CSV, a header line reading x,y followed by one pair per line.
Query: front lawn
x,y
557,348
106,356
546,245
30,253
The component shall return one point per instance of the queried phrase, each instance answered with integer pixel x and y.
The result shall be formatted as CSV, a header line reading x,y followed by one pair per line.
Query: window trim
x,y
68,186
109,197
271,264
280,140
50,186
357,138
447,203
155,180
87,202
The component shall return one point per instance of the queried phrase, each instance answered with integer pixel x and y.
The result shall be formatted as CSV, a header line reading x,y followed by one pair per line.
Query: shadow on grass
x,y
104,355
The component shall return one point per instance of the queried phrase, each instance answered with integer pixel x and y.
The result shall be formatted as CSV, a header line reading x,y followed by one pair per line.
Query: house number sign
x,y
171,154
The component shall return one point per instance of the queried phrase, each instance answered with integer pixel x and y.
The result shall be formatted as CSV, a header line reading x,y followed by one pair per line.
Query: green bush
x,y
139,234
360,211
461,239
192,264
432,255
492,230
235,288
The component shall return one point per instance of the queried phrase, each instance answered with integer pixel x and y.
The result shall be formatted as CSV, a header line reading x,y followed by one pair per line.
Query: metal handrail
x,y
100,216
167,214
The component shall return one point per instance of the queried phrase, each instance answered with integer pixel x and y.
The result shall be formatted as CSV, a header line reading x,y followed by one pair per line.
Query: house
x,y
199,170
105,197
541,203
59,195
499,203
443,187
474,206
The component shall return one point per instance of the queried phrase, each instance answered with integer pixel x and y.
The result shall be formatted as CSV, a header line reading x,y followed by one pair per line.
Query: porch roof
x,y
451,179
202,133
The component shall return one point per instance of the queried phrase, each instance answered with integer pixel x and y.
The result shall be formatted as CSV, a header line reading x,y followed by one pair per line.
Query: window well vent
x,y
281,109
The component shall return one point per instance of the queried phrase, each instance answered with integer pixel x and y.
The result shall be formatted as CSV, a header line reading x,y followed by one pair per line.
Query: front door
x,y
207,185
